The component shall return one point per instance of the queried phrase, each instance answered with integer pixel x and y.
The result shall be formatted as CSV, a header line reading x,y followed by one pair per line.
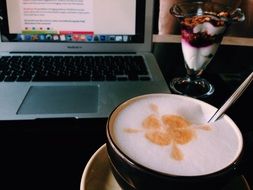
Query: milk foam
x,y
209,150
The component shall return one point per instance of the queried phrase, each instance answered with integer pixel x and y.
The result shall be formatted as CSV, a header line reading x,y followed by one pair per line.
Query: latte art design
x,y
164,130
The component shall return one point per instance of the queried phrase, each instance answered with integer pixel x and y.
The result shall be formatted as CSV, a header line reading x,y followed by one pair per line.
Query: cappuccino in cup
x,y
168,134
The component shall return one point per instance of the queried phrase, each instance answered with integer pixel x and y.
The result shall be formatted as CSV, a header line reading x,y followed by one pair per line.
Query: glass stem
x,y
192,77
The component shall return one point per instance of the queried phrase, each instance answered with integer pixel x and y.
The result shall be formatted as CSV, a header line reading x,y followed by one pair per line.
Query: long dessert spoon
x,y
239,91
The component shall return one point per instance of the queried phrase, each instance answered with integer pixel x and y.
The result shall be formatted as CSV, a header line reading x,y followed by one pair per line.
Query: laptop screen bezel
x,y
89,47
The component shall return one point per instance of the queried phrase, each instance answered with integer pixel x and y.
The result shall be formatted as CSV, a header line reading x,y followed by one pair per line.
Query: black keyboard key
x,y
144,78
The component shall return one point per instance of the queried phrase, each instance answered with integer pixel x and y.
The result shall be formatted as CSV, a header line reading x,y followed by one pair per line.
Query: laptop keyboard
x,y
72,68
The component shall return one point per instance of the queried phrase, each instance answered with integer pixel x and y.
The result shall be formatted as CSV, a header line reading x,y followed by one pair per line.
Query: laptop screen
x,y
73,21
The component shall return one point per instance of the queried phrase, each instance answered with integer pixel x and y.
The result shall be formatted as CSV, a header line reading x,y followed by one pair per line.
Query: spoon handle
x,y
232,98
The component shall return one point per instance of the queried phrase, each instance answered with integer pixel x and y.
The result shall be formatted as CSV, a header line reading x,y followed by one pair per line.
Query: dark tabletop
x,y
52,154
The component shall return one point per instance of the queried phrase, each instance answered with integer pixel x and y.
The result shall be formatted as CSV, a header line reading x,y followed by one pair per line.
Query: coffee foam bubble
x,y
205,150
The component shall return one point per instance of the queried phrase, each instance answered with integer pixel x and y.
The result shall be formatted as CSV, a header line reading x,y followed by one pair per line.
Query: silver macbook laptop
x,y
75,58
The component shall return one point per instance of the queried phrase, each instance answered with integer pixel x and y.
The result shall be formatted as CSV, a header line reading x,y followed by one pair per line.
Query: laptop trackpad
x,y
60,100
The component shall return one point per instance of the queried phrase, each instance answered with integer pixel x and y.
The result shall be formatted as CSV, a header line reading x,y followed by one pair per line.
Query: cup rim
x,y
196,3
133,163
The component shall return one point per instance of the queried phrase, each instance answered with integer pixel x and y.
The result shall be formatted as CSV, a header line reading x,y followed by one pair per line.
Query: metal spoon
x,y
232,98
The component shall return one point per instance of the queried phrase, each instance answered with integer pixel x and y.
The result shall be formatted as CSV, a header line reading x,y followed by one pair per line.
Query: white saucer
x,y
97,175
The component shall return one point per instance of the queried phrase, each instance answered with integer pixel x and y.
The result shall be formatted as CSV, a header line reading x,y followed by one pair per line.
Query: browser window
x,y
72,20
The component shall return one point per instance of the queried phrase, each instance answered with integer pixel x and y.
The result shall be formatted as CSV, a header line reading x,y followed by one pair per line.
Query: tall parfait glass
x,y
203,25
